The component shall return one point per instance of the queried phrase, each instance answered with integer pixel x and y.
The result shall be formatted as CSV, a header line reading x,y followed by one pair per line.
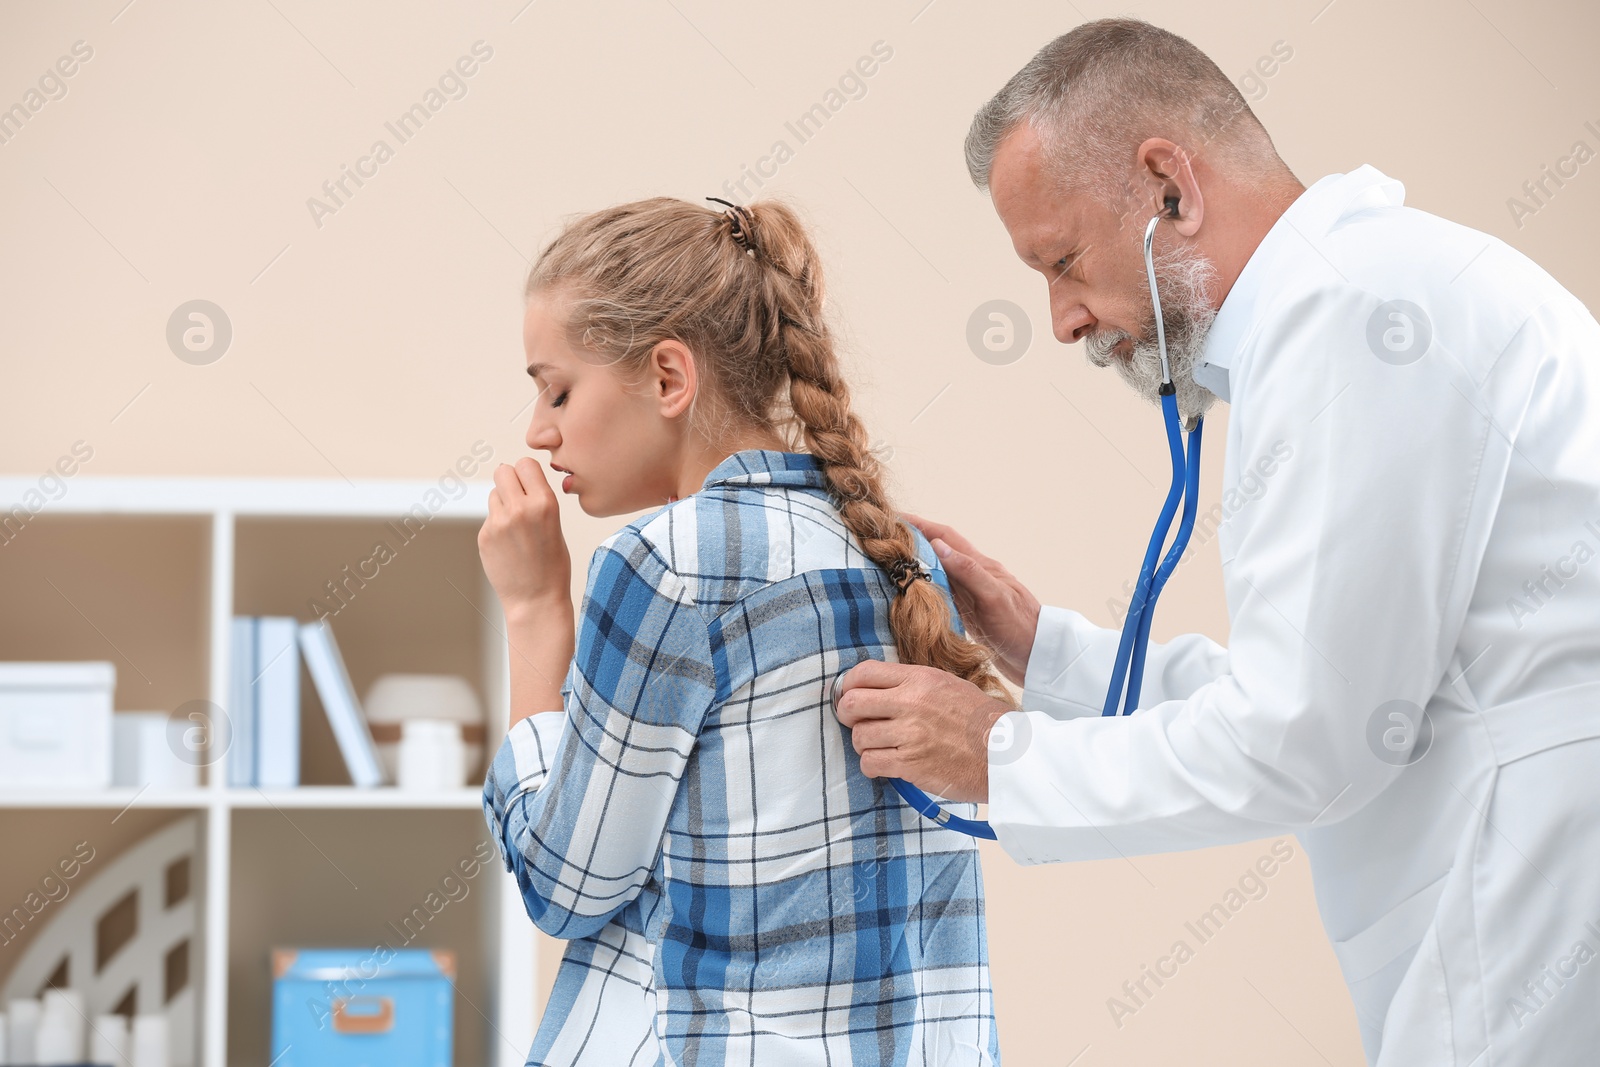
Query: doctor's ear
x,y
1182,210
1165,171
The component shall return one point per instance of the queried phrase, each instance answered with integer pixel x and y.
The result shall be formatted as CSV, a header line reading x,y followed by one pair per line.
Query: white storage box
x,y
55,725
145,747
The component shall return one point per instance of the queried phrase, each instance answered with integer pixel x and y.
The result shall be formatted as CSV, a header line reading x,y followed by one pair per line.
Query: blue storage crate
x,y
348,1007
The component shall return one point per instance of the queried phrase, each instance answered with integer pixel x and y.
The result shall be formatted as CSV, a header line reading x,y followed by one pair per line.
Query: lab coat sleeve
x,y
578,801
1070,666
1338,589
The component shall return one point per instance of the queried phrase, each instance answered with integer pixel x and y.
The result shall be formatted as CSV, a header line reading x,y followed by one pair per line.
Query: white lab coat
x,y
1423,527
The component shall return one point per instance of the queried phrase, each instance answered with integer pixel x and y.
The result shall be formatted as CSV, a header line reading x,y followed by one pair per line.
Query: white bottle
x,y
432,754
108,1041
149,1041
59,1040
24,1019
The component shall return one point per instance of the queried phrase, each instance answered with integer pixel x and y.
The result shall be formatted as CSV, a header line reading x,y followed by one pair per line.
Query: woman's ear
x,y
672,378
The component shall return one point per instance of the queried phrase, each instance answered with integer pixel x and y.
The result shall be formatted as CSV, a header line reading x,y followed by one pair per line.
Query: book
x,y
339,702
277,702
241,710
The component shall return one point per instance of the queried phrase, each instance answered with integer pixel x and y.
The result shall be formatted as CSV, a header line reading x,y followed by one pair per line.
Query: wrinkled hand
x,y
997,609
521,545
921,724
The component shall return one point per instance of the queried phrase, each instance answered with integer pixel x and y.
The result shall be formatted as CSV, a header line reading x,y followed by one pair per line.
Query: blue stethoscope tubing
x,y
926,805
1131,648
1136,627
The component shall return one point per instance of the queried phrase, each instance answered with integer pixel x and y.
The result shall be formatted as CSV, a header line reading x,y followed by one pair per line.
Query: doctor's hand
x,y
521,545
921,724
997,609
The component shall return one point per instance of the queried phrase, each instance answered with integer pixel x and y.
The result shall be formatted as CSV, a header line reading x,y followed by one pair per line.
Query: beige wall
x,y
383,341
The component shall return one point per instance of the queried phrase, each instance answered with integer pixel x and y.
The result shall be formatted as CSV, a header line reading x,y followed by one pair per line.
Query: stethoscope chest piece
x,y
916,798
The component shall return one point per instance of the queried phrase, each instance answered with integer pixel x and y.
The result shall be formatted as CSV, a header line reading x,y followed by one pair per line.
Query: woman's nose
x,y
541,434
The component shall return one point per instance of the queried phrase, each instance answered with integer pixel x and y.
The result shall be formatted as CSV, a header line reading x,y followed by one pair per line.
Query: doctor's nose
x,y
1072,324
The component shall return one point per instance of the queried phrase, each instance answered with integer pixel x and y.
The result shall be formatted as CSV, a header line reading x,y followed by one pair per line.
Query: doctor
x,y
1412,680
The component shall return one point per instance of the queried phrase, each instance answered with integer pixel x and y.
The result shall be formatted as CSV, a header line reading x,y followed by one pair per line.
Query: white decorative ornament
x,y
395,698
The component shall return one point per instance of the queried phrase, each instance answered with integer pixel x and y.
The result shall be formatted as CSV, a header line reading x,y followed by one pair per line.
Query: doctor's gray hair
x,y
1094,94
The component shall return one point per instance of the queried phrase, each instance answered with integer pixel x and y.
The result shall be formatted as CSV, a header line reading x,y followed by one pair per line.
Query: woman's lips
x,y
566,484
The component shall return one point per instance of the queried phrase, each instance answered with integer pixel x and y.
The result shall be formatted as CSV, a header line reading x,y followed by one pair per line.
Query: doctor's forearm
x,y
541,645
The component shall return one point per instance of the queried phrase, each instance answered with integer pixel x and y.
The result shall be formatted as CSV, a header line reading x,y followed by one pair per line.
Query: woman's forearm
x,y
540,637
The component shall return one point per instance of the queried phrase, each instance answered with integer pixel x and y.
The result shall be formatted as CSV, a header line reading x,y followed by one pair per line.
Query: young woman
x,y
677,799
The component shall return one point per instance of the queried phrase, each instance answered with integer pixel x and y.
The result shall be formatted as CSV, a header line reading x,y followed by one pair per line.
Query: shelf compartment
x,y
84,601
363,880
418,608
125,931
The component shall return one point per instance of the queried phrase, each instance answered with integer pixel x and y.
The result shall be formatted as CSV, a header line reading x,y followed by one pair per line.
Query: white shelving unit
x,y
266,543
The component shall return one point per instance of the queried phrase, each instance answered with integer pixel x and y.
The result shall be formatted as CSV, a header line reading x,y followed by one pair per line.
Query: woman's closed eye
x,y
558,401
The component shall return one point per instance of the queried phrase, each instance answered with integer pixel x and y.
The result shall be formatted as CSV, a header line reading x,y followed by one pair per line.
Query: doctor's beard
x,y
1186,279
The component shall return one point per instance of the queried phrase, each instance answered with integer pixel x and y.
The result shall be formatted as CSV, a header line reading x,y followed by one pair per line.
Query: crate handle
x,y
378,1021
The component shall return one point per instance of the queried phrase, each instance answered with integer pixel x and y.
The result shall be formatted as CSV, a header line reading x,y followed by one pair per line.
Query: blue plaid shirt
x,y
696,822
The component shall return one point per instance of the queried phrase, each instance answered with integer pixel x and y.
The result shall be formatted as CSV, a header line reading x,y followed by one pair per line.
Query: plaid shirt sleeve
x,y
578,801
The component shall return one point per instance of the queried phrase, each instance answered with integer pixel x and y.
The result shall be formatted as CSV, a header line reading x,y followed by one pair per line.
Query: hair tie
x,y
743,230
906,571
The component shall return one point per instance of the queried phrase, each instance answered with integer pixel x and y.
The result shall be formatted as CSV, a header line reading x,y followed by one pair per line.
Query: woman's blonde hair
x,y
742,290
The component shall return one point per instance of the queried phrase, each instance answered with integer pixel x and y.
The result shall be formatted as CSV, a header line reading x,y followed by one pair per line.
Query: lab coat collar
x,y
1312,216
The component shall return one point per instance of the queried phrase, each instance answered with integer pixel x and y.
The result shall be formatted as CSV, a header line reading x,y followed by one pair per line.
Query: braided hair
x,y
742,288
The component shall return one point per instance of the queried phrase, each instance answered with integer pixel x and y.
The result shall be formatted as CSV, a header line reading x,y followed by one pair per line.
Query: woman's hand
x,y
525,557
521,545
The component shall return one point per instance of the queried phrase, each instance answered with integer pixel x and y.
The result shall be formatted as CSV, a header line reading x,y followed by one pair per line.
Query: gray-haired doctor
x,y
1412,680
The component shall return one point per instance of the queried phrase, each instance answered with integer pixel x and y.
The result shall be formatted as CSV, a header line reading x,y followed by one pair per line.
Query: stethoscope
x,y
1129,668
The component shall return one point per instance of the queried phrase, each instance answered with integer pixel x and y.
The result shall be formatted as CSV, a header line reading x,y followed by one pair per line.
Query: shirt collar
x,y
1313,215
765,466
